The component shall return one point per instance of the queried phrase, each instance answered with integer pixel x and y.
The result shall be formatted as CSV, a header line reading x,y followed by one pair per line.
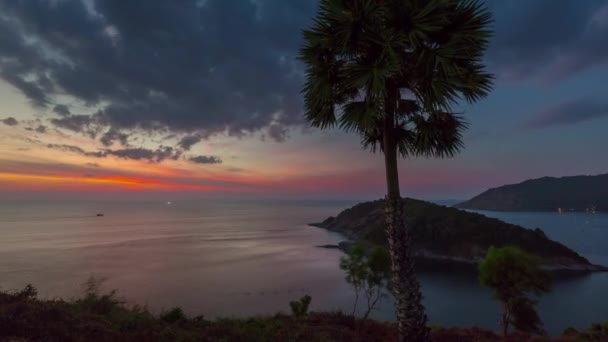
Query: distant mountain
x,y
450,234
578,193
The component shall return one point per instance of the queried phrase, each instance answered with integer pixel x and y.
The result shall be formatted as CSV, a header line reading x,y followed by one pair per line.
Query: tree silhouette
x,y
391,71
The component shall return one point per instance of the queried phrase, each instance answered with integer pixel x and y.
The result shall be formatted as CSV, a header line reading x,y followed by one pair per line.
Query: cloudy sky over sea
x,y
203,97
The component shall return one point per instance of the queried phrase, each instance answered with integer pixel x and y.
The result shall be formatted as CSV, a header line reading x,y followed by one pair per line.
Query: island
x,y
443,233
575,193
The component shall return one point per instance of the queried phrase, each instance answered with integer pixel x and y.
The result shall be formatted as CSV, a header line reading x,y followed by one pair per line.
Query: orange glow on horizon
x,y
130,183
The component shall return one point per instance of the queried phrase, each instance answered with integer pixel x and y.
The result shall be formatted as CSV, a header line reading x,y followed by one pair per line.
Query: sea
x,y
221,258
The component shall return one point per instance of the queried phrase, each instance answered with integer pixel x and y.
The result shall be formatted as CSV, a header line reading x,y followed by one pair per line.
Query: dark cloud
x,y
92,164
113,135
85,124
206,160
41,129
67,148
568,113
152,156
10,121
189,140
546,39
210,66
62,110
155,156
277,132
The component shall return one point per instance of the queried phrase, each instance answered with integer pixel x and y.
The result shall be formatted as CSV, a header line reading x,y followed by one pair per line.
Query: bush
x,y
174,315
597,332
299,308
28,292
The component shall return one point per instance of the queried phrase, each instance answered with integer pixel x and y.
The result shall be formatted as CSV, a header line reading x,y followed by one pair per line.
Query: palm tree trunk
x,y
411,316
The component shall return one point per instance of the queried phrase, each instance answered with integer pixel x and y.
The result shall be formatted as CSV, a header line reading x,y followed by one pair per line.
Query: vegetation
x,y
24,317
299,308
445,232
516,279
597,332
391,71
578,193
368,271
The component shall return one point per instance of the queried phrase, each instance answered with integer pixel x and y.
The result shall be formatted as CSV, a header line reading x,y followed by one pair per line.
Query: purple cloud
x,y
551,40
569,113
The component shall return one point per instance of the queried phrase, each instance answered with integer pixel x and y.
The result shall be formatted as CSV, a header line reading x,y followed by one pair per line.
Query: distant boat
x,y
99,214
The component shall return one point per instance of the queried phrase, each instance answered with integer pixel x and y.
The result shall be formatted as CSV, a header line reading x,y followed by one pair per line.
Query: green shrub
x,y
94,301
174,315
516,278
299,308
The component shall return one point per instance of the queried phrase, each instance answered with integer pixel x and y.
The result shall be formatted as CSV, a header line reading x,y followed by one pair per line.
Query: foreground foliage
x,y
517,280
103,317
368,270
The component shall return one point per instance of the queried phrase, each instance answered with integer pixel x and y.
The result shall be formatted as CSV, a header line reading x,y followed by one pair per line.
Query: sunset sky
x,y
199,98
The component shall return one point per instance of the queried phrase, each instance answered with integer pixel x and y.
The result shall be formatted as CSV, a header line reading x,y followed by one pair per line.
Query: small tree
x,y
378,277
368,271
299,308
517,279
356,269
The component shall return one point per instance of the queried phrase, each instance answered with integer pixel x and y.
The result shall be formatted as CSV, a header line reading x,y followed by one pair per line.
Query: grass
x,y
98,316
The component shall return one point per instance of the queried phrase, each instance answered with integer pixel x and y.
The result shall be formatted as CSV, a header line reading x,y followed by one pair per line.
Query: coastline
x,y
431,259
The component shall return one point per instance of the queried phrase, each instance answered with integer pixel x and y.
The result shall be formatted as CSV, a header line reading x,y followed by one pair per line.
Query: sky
x,y
172,99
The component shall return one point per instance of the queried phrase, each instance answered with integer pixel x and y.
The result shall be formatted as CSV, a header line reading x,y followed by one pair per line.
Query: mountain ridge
x,y
569,193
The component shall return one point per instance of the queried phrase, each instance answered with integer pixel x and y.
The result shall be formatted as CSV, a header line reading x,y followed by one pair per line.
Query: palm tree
x,y
391,71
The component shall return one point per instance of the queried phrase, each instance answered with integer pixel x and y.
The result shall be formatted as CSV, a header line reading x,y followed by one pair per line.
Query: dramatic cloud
x,y
206,160
152,156
10,121
40,129
79,123
155,156
75,149
210,66
189,140
277,132
113,135
62,110
550,40
570,112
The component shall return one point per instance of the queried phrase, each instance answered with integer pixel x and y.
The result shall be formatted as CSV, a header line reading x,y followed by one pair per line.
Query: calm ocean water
x,y
243,258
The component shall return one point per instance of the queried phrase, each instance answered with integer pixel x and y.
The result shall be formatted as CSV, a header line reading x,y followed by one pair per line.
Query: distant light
x,y
168,202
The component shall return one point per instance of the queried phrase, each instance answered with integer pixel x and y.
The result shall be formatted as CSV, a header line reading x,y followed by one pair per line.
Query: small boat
x,y
99,214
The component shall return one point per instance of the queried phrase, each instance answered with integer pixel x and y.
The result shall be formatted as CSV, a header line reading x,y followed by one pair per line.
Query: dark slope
x,y
578,193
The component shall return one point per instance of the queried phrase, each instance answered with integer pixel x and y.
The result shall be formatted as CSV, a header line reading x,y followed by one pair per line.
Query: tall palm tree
x,y
391,71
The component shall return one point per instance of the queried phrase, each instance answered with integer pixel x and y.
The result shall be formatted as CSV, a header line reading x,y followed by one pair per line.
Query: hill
x,y
576,193
445,233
